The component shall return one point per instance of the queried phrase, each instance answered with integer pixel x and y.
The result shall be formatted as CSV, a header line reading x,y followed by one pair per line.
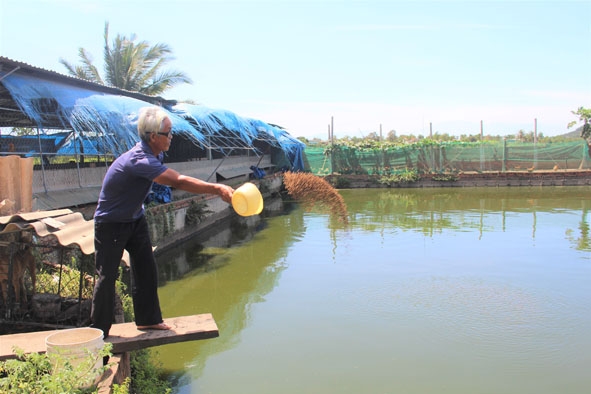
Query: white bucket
x,y
79,347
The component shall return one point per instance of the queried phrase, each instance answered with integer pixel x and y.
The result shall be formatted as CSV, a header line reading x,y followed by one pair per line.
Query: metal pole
x,y
382,149
332,144
332,130
209,153
535,143
77,156
431,148
481,146
504,154
41,156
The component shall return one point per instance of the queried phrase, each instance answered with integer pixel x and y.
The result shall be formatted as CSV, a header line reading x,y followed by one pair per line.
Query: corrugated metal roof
x,y
30,216
67,227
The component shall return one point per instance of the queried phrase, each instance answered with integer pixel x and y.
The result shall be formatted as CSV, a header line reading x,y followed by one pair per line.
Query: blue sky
x,y
398,65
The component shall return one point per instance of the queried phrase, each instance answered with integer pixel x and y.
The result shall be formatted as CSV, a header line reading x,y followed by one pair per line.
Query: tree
x,y
19,131
130,66
584,115
373,136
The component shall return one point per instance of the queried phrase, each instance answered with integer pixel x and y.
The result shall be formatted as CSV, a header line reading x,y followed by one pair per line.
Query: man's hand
x,y
225,192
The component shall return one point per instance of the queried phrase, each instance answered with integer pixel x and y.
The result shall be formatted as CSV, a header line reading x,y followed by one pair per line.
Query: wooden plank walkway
x,y
125,337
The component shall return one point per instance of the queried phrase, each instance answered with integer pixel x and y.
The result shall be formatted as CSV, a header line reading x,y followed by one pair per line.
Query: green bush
x,y
406,176
341,182
64,281
147,377
37,373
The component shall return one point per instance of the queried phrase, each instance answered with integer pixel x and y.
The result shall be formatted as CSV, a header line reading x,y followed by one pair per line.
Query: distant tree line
x,y
392,137
372,138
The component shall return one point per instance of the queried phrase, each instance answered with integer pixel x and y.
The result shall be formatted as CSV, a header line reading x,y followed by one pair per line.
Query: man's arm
x,y
172,178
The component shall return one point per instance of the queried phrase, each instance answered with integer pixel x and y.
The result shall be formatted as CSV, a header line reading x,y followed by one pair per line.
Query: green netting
x,y
442,157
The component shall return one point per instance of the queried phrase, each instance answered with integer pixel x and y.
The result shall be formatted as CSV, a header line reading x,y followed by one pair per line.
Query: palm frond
x,y
130,65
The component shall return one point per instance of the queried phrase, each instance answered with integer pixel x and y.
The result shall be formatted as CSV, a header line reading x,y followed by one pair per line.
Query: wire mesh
x,y
448,157
43,281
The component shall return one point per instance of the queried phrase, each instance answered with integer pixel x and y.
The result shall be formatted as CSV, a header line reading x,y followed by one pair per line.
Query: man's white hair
x,y
151,120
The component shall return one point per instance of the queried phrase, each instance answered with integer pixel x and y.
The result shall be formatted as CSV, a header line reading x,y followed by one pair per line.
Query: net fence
x,y
44,281
444,157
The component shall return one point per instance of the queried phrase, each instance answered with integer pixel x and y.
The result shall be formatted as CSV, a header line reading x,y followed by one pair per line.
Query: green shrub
x,y
146,376
37,373
64,281
406,176
445,178
196,212
341,182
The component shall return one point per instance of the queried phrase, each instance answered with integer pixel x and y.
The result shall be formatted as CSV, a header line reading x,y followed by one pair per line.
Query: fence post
x,y
535,166
79,158
331,145
42,162
481,147
583,156
504,167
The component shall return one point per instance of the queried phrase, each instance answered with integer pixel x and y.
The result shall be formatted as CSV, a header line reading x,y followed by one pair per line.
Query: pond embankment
x,y
470,179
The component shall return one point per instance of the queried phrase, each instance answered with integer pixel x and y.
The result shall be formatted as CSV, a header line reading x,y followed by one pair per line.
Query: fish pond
x,y
457,290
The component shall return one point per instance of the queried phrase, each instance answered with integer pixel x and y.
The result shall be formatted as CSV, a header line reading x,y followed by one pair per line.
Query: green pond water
x,y
479,290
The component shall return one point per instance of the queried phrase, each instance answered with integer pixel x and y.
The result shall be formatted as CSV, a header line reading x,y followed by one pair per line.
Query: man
x,y
120,223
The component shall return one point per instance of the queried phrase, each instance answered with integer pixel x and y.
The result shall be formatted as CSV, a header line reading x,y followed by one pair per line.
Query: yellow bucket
x,y
247,200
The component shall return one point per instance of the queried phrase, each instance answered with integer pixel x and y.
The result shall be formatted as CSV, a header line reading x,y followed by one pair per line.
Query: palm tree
x,y
130,66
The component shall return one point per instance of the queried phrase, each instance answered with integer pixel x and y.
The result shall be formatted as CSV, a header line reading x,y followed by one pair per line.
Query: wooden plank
x,y
124,336
107,379
31,342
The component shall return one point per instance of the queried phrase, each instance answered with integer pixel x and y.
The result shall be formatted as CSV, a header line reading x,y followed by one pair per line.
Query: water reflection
x,y
201,283
431,211
422,285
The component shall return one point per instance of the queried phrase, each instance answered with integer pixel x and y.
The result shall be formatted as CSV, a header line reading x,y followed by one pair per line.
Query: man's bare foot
x,y
159,326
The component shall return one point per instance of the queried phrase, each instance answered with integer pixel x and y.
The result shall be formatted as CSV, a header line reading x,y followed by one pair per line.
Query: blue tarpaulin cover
x,y
161,194
257,172
107,123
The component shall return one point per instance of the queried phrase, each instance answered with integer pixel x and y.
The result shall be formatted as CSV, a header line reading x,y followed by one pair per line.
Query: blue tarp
x,y
160,193
113,119
90,146
50,143
257,173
